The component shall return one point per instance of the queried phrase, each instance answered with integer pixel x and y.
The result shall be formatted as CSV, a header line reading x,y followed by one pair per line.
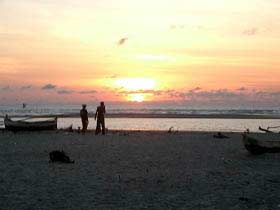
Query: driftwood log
x,y
265,130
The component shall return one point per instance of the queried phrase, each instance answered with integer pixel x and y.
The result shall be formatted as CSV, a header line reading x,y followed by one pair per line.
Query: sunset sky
x,y
193,51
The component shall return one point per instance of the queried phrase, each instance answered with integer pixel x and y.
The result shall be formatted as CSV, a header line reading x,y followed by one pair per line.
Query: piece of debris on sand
x,y
219,135
59,156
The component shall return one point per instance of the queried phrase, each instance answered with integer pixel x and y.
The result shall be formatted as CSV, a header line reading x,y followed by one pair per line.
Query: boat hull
x,y
257,145
30,126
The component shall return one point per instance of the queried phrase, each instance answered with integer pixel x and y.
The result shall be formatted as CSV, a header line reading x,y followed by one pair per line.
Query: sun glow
x,y
136,83
136,97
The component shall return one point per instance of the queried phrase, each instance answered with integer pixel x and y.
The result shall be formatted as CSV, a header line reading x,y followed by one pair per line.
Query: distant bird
x,y
122,41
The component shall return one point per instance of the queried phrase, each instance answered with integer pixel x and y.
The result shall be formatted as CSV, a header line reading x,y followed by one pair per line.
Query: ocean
x,y
154,117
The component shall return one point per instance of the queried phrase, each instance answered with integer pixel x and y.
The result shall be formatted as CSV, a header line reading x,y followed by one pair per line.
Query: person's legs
x,y
103,127
85,124
97,130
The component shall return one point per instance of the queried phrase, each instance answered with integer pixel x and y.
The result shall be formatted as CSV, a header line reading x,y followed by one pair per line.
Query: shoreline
x,y
125,131
164,124
161,116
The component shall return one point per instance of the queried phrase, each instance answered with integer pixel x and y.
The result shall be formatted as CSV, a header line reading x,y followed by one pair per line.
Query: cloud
x,y
6,88
65,91
239,97
48,87
169,93
199,95
88,92
275,94
27,87
213,94
154,92
250,32
241,89
122,41
195,89
113,76
264,94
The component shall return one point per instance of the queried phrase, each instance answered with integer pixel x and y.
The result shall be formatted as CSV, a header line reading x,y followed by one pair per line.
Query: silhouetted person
x,y
100,115
84,117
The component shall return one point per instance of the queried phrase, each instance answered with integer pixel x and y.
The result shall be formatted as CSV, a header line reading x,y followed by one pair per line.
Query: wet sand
x,y
149,115
135,170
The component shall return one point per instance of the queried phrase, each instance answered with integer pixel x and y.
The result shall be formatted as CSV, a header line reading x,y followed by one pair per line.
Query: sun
x,y
137,89
136,83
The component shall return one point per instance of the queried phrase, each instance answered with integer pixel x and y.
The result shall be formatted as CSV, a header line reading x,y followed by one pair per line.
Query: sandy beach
x,y
135,170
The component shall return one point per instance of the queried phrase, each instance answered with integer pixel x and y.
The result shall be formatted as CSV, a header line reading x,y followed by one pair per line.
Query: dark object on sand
x,y
265,130
219,135
23,125
261,143
170,130
243,199
70,128
59,156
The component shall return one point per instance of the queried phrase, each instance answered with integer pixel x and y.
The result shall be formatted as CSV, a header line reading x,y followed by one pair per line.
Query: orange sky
x,y
87,50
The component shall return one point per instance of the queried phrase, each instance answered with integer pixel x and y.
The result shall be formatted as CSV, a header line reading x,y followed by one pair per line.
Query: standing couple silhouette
x,y
99,116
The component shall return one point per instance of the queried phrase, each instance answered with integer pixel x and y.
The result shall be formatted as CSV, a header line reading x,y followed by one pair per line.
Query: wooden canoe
x,y
21,125
259,143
